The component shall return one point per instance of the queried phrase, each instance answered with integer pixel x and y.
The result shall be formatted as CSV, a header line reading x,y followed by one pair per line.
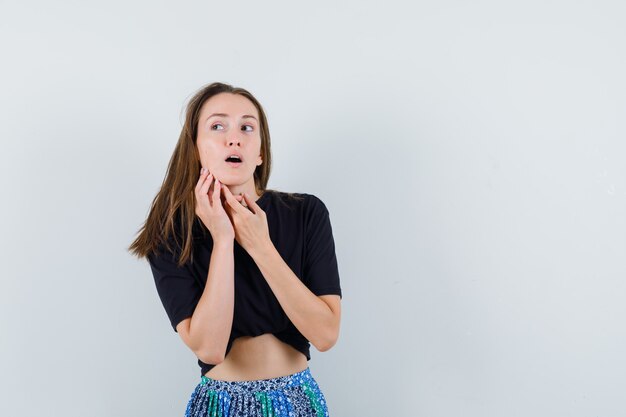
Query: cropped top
x,y
300,231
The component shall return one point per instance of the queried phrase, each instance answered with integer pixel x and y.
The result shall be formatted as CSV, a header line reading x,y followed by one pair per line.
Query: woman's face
x,y
229,124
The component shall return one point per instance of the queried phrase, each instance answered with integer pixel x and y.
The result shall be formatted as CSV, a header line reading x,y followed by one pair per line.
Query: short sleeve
x,y
176,286
321,272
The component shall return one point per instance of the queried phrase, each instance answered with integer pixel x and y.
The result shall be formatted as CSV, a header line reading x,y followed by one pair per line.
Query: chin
x,y
237,178
231,184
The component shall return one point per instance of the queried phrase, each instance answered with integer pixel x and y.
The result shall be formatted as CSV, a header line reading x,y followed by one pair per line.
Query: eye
x,y
216,124
250,126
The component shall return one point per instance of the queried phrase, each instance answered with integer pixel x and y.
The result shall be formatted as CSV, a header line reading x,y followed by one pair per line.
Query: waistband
x,y
303,377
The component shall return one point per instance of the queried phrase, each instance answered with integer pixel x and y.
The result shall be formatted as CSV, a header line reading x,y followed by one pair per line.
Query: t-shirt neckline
x,y
260,200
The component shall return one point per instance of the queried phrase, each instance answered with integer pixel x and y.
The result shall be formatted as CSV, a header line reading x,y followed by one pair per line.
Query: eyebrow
x,y
245,116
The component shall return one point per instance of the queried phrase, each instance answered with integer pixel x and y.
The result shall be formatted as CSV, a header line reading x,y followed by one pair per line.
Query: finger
x,y
216,192
251,203
229,213
212,186
201,179
204,190
237,197
232,201
202,186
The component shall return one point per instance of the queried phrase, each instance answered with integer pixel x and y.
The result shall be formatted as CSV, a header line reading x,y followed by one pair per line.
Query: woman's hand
x,y
251,229
210,210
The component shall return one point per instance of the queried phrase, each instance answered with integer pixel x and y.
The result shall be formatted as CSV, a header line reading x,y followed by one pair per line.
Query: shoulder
x,y
285,199
306,201
315,204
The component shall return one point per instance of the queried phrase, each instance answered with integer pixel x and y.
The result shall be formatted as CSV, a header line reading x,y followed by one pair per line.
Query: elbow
x,y
205,354
210,354
325,346
327,343
330,334
209,357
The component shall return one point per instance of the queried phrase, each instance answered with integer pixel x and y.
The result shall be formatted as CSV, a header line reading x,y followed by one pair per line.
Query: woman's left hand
x,y
251,229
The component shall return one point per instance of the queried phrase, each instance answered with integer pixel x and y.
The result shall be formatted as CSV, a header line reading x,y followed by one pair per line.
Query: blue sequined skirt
x,y
295,395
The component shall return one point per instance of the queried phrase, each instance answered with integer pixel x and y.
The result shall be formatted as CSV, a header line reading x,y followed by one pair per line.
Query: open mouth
x,y
233,161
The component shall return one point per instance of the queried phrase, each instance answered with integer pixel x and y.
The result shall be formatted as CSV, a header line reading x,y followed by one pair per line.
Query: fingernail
x,y
202,170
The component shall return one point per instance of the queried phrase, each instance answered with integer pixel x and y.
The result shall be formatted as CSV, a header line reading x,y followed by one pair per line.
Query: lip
x,y
234,164
235,153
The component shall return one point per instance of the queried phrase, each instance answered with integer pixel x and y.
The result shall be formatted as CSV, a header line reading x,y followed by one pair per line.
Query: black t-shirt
x,y
302,234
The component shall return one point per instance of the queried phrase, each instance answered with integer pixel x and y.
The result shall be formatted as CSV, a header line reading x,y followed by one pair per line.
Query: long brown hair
x,y
172,213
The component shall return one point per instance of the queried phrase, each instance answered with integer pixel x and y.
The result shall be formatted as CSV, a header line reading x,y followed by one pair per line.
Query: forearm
x,y
309,314
213,317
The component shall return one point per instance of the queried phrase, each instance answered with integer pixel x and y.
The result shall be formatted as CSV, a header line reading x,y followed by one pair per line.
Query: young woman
x,y
247,275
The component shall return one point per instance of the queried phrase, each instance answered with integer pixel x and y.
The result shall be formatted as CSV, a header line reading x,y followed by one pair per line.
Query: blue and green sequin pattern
x,y
295,395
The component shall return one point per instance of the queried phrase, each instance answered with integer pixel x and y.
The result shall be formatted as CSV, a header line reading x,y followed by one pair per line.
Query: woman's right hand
x,y
210,210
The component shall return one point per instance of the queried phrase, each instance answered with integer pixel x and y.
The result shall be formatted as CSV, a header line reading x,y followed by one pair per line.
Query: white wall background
x,y
472,156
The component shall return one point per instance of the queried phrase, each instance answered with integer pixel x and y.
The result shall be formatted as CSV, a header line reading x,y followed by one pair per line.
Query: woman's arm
x,y
311,315
207,332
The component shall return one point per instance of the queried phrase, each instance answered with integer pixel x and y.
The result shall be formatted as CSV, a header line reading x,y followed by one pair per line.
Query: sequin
x,y
295,395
